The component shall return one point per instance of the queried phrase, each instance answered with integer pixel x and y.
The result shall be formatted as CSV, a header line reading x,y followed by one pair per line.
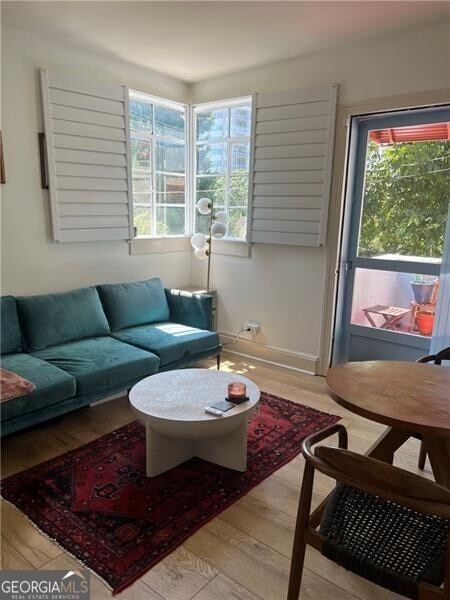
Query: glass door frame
x,y
349,259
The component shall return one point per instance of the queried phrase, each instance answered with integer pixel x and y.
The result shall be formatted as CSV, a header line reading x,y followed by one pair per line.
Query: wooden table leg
x,y
386,445
388,321
371,321
392,322
438,450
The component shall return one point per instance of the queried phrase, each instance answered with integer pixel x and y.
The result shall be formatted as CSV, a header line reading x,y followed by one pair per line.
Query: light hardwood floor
x,y
244,553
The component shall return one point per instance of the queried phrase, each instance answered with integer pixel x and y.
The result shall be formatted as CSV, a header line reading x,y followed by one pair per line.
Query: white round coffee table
x,y
171,406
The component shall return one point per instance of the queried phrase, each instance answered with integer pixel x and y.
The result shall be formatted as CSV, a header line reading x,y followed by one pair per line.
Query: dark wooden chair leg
x,y
437,360
218,357
301,525
422,456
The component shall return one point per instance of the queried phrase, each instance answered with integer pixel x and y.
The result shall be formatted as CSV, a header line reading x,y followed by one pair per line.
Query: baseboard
x,y
306,363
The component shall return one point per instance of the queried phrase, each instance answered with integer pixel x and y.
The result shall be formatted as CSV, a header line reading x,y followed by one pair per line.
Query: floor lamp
x,y
218,228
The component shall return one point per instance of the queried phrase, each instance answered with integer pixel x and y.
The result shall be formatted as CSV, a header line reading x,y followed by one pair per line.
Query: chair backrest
x,y
383,523
380,479
436,358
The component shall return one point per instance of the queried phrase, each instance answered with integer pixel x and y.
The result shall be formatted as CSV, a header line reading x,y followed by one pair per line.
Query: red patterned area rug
x,y
97,503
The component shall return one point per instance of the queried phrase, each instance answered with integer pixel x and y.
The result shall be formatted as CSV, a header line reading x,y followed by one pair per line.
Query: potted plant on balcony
x,y
425,322
422,287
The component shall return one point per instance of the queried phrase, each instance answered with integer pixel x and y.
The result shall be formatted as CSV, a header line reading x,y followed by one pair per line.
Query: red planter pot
x,y
425,322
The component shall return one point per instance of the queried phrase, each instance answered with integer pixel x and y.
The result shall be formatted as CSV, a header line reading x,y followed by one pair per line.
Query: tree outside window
x,y
222,141
158,160
406,199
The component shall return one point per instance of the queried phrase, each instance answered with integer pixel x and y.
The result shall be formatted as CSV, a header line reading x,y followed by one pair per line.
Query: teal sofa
x,y
87,344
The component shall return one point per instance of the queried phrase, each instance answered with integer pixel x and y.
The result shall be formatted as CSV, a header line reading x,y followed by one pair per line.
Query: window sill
x,y
155,245
151,245
231,248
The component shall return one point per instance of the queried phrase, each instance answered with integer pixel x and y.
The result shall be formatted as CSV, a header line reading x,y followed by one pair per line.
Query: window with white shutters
x,y
118,164
293,138
87,147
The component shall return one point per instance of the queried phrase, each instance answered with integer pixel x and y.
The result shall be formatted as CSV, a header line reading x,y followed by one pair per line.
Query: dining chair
x,y
385,524
437,360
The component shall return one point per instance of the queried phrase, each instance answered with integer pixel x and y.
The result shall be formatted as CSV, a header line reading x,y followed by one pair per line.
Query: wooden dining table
x,y
411,399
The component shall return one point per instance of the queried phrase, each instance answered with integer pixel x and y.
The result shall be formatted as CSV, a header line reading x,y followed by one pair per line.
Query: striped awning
x,y
416,133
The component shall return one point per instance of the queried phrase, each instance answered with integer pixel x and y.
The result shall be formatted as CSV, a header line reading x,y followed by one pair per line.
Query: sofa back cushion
x,y
11,336
136,303
53,319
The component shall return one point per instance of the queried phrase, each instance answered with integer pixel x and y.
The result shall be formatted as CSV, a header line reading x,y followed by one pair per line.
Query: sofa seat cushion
x,y
170,341
100,363
52,385
11,336
54,319
135,303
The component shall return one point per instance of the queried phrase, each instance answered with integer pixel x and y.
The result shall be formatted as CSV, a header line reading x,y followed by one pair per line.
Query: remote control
x,y
213,411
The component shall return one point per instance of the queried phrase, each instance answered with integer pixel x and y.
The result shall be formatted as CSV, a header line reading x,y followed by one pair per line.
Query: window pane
x,y
142,198
169,220
211,158
237,226
212,124
140,154
239,190
240,121
405,198
400,302
140,116
143,220
240,155
202,223
212,188
141,182
170,156
170,198
169,122
167,184
166,128
211,182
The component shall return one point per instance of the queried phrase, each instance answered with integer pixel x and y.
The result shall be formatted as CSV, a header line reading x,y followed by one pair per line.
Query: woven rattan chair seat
x,y
384,542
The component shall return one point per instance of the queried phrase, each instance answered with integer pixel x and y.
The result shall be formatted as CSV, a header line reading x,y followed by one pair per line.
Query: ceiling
x,y
193,41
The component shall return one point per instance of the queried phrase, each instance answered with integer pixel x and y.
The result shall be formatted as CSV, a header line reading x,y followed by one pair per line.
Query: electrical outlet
x,y
254,327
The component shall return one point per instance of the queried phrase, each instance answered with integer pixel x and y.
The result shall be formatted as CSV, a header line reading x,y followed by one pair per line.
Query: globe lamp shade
x,y
204,206
201,253
218,230
198,241
222,217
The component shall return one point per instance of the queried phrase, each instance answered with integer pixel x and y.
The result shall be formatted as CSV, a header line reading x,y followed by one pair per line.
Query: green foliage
x,y
406,199
222,175
143,220
213,188
169,220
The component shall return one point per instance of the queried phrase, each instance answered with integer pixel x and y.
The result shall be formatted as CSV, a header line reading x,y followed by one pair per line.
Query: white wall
x,y
31,262
284,287
414,61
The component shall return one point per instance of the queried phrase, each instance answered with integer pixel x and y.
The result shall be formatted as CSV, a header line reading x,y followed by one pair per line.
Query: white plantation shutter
x,y
87,145
291,162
